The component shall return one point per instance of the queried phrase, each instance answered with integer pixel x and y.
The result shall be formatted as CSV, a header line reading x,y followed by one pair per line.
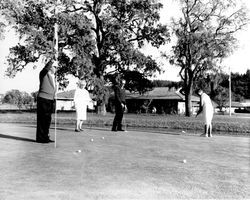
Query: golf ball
x,y
184,161
78,151
103,138
92,140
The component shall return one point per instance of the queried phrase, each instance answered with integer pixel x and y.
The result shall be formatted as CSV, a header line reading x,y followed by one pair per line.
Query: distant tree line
x,y
20,99
166,83
240,85
216,85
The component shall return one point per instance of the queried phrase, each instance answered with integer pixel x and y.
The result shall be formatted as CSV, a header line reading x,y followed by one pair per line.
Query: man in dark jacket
x,y
120,104
45,102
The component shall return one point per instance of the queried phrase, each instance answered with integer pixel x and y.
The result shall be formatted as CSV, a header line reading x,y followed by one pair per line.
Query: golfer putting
x,y
206,108
120,103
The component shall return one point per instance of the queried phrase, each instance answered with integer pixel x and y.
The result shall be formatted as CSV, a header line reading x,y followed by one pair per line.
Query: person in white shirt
x,y
207,109
81,100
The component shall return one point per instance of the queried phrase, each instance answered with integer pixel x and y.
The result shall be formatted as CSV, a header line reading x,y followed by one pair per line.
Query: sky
x,y
28,80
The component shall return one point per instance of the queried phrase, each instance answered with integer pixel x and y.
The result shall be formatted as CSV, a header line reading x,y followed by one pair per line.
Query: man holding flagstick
x,y
46,98
45,101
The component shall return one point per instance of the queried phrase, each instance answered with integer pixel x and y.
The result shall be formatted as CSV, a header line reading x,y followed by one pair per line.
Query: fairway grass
x,y
133,165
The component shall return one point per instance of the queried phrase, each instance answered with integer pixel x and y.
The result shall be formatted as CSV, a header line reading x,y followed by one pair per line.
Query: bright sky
x,y
28,80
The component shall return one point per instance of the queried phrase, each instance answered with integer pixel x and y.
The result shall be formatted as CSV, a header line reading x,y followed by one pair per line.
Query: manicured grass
x,y
222,124
122,166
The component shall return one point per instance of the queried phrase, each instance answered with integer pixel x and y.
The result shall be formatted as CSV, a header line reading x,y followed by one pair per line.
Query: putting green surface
x,y
121,165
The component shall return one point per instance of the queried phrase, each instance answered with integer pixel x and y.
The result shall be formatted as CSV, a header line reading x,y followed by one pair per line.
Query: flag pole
x,y
56,65
230,93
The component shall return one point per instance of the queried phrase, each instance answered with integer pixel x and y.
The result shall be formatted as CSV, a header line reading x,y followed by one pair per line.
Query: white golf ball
x,y
103,138
78,151
92,140
184,161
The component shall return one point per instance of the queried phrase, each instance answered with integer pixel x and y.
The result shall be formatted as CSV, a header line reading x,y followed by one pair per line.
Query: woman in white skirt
x,y
82,100
207,109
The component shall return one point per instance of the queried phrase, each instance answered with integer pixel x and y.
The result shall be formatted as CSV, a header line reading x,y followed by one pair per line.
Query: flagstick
x,y
230,83
56,65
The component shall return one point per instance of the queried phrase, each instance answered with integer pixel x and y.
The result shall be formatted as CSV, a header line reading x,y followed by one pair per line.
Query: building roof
x,y
164,93
160,93
69,95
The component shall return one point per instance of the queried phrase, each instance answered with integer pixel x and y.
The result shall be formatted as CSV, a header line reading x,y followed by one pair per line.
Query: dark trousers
x,y
117,123
44,112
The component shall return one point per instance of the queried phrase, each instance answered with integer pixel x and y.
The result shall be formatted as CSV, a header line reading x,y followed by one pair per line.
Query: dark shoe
x,y
49,140
39,141
77,130
81,129
114,130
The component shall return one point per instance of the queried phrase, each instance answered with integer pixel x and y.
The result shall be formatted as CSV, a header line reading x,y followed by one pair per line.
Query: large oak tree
x,y
205,36
102,36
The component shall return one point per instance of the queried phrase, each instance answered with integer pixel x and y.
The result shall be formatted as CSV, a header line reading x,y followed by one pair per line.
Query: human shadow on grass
x,y
16,138
89,128
52,128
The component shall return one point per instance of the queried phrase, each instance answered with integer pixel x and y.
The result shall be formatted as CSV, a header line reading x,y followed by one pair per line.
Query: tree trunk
x,y
188,100
188,104
101,109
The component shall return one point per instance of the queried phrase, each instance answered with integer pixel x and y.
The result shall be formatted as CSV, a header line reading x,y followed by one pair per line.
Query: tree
x,y
209,82
34,22
205,36
240,85
26,100
102,36
217,86
12,97
137,82
165,83
221,97
2,23
2,30
247,82
34,96
18,98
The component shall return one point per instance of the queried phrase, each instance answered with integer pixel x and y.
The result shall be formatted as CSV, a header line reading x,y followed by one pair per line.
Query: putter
x,y
125,125
90,123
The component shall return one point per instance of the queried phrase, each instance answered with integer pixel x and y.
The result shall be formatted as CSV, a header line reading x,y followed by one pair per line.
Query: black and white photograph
x,y
124,99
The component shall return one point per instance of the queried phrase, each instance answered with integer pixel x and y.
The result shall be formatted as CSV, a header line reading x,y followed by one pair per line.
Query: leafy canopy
x,y
96,37
205,36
